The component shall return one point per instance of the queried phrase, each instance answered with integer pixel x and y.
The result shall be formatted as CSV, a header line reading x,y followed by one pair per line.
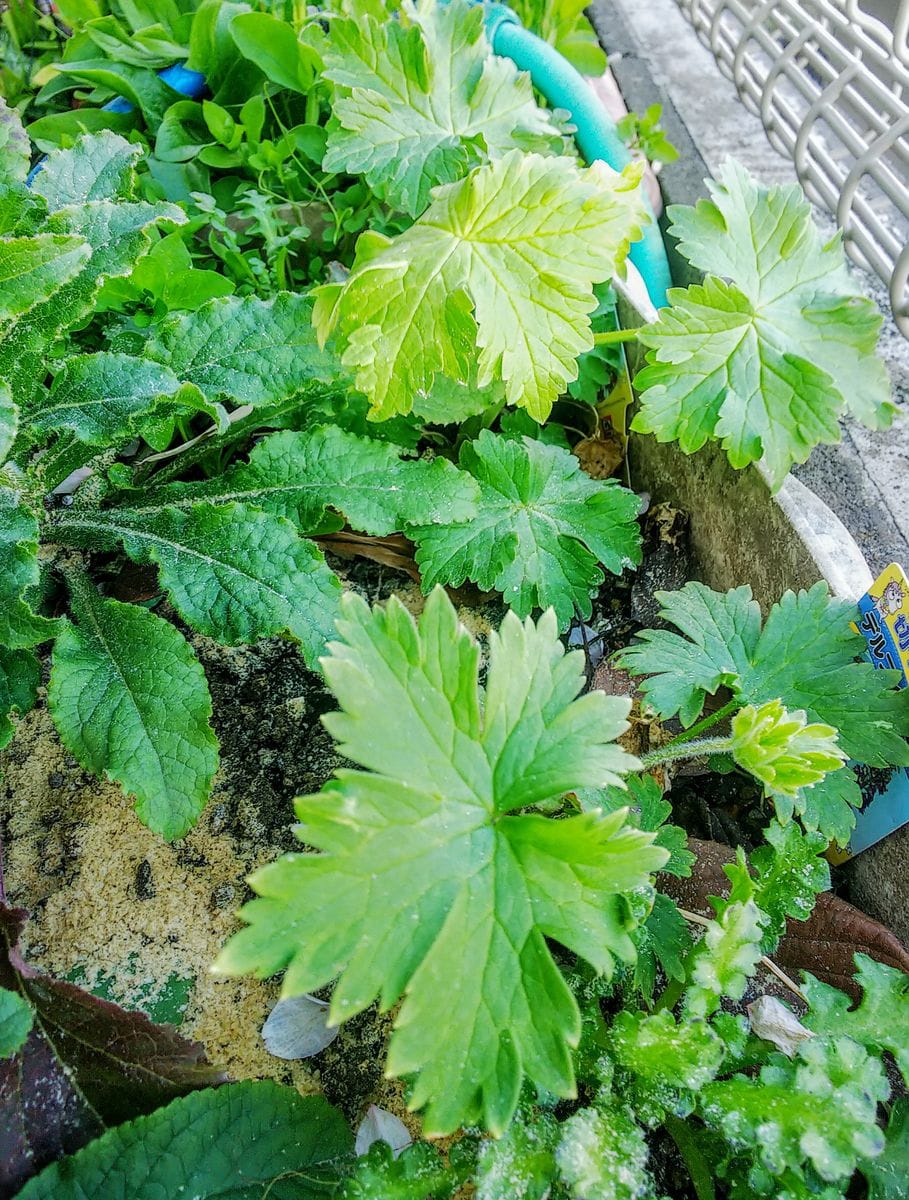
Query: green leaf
x,y
300,475
142,88
19,572
520,1165
503,261
542,529
649,810
214,53
15,1019
273,46
731,947
34,268
879,1022
96,167
829,806
791,870
887,1174
781,749
426,885
233,573
768,362
563,24
9,422
131,703
250,350
663,940
20,674
421,99
243,1141
602,1155
821,1108
15,152
415,1173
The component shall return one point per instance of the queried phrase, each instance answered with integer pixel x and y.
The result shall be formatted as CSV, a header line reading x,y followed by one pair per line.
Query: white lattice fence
x,y
831,85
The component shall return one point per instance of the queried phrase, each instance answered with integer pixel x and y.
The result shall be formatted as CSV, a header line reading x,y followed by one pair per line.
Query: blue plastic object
x,y
187,83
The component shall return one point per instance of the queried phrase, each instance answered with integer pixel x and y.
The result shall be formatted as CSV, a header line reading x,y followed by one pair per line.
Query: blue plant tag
x,y
884,622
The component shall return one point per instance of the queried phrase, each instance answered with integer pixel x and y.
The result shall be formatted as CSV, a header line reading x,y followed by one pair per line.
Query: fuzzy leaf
x,y
86,1064
244,1140
731,947
520,1165
9,422
20,674
300,475
131,702
879,1022
542,528
427,883
234,573
99,166
16,1022
34,268
820,1108
791,871
768,362
602,1155
15,152
250,350
504,261
420,100
19,571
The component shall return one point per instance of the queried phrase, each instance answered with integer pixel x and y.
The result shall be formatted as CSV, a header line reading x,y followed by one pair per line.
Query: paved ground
x,y
866,479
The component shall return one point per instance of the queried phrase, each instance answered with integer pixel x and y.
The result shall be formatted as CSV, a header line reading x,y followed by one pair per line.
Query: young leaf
x,y
665,940
819,1108
250,350
15,1022
542,528
421,99
791,870
234,573
504,261
731,948
428,882
881,1020
781,749
300,475
20,674
86,1063
602,1155
649,810
131,702
96,167
520,1165
244,1140
416,1173
768,362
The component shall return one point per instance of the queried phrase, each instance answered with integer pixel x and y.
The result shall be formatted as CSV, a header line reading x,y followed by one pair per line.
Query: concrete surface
x,y
655,55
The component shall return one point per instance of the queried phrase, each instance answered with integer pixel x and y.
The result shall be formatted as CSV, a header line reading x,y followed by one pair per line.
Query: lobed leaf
x,y
424,885
790,872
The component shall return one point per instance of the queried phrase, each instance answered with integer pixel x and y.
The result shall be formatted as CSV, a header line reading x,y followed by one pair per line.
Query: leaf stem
x,y
697,748
691,1156
611,337
708,722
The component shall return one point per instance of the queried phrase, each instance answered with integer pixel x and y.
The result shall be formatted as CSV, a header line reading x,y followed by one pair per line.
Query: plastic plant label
x,y
884,622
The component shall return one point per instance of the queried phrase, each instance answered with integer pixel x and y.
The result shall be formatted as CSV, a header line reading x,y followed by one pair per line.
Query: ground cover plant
x,y
362,287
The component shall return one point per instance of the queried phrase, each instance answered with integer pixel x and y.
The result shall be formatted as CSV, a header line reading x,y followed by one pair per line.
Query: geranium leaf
x,y
243,1140
86,1064
593,1143
420,99
505,261
426,885
541,530
131,702
768,362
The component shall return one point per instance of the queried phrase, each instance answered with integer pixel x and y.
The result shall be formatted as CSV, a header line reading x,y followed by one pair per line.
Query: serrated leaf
x,y
20,674
541,529
253,351
879,1022
649,810
131,702
602,1155
243,1140
420,100
300,475
820,1108
416,1174
19,571
98,166
15,152
828,806
234,573
34,268
426,885
768,362
503,261
663,940
791,871
730,950
15,1022
86,1063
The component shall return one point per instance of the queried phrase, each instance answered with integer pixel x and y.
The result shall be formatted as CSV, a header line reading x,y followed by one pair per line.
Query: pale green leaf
x,y
15,152
542,529
34,268
879,1022
131,703
300,475
20,674
503,263
420,99
602,1155
563,24
250,350
520,1165
425,886
19,572
730,949
9,422
649,810
820,1108
780,748
98,166
15,1018
244,1141
791,870
768,362
234,573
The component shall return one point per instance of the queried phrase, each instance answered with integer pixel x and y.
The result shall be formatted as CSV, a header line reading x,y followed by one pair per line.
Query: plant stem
x,y
612,337
707,722
698,748
692,1157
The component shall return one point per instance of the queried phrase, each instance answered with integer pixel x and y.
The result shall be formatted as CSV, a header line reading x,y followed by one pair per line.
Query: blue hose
x,y
596,137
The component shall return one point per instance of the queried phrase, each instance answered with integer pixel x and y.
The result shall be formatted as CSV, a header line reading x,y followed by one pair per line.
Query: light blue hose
x,y
596,137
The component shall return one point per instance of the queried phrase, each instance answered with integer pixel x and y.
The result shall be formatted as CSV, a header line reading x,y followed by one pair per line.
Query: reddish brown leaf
x,y
394,551
825,944
87,1064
